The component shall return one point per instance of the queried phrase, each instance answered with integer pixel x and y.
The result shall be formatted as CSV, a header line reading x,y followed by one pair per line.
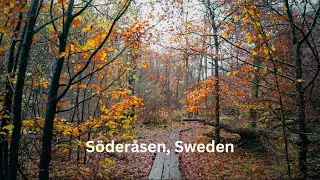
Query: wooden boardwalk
x,y
167,166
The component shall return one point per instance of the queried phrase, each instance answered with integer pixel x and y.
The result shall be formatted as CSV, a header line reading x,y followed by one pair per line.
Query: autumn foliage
x,y
74,71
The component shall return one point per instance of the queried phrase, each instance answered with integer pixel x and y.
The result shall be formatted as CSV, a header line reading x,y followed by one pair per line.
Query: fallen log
x,y
250,138
243,132
193,119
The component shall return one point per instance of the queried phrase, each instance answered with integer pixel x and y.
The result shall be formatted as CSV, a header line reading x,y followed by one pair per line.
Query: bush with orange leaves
x,y
198,100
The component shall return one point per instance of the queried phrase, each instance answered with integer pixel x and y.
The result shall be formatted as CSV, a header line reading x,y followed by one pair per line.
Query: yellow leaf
x,y
66,132
90,43
14,81
82,86
282,17
62,54
145,64
249,39
65,150
123,2
268,35
229,73
254,53
75,132
111,124
103,25
84,30
285,8
80,18
60,3
109,161
11,4
8,127
39,68
265,69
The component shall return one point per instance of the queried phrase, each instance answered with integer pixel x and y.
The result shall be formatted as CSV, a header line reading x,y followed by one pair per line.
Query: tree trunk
x,y
255,93
217,88
216,75
52,99
300,102
16,111
186,58
167,87
200,72
177,104
8,103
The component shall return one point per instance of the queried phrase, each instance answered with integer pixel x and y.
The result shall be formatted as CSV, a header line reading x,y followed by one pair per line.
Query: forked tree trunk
x,y
52,99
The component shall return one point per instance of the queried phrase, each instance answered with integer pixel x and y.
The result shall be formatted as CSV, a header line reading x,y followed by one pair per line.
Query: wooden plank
x,y
167,166
157,168
174,160
174,166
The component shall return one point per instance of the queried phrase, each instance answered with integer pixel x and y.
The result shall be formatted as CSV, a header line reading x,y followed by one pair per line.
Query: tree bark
x,y
16,111
8,103
255,92
216,71
300,101
52,99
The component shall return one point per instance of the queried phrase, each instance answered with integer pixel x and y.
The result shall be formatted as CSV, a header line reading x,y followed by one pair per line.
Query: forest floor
x,y
237,165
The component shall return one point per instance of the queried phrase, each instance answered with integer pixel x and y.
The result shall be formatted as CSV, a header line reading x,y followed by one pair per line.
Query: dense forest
x,y
234,71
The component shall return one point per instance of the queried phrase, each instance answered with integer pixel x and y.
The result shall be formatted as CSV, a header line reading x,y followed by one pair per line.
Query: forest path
x,y
166,166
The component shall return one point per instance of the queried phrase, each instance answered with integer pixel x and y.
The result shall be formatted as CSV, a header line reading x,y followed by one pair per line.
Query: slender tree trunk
x,y
72,120
16,60
17,103
217,83
186,57
186,77
8,103
90,129
177,89
132,72
52,99
200,68
255,93
282,116
131,77
167,86
300,102
215,71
